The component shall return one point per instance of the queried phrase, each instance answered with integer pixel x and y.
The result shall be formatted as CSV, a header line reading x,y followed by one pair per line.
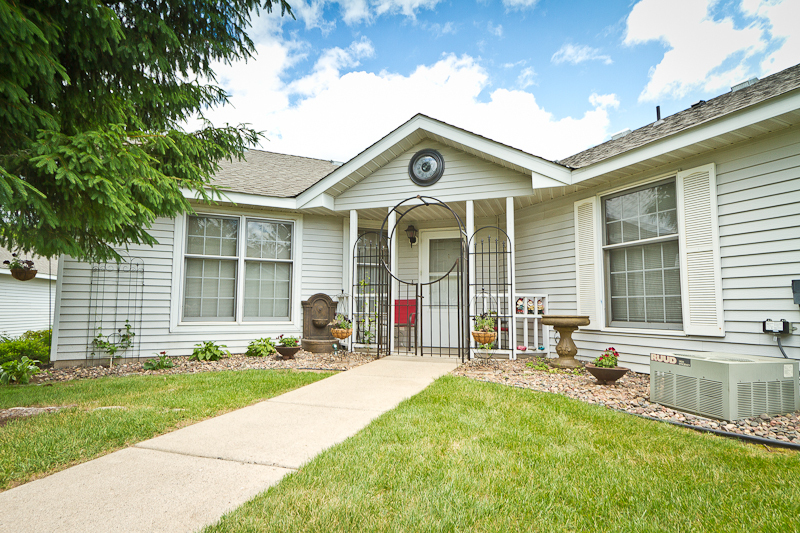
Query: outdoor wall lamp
x,y
411,231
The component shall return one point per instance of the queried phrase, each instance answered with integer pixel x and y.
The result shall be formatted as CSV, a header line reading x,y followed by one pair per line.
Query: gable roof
x,y
272,174
771,86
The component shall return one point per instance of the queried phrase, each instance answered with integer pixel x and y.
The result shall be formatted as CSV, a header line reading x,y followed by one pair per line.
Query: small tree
x,y
92,98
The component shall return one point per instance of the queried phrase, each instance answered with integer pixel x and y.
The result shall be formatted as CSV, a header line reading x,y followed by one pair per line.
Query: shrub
x,y
161,361
18,371
209,351
35,345
263,347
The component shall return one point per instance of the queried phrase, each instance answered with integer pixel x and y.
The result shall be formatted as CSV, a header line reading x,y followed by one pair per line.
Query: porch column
x,y
351,272
512,329
393,266
470,222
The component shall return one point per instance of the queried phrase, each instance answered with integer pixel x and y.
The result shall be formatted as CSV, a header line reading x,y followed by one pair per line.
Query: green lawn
x,y
153,405
469,456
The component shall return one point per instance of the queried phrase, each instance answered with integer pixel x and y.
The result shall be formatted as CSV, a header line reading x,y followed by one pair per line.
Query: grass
x,y
31,447
469,456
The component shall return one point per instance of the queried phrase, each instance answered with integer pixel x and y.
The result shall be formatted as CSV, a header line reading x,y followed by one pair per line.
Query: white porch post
x,y
393,265
470,222
351,271
512,329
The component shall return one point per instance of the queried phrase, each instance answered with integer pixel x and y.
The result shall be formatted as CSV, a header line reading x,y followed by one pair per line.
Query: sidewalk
x,y
189,478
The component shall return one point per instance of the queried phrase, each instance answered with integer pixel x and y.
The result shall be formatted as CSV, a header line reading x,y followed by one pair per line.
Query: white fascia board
x,y
731,122
321,200
542,167
240,198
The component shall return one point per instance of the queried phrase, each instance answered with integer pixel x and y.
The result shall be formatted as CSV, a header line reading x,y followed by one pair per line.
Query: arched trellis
x,y
430,317
491,282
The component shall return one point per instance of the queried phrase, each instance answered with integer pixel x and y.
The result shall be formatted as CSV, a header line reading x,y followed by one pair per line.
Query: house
x,y
682,234
27,305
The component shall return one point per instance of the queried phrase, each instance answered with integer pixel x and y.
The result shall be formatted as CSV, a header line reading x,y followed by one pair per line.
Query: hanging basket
x,y
23,274
341,333
484,337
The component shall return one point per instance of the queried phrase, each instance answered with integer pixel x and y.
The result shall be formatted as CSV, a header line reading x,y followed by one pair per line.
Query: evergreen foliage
x,y
92,98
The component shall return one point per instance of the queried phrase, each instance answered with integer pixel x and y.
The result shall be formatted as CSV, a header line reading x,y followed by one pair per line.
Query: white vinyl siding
x,y
758,203
37,297
466,177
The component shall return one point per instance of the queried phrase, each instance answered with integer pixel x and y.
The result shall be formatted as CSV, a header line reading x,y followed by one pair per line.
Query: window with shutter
x,y
648,257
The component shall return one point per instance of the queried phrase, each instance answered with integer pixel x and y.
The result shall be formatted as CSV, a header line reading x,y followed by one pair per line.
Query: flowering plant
x,y
607,359
288,342
19,264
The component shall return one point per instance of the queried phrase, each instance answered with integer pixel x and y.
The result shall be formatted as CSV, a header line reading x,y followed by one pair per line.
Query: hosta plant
x,y
18,371
209,351
263,347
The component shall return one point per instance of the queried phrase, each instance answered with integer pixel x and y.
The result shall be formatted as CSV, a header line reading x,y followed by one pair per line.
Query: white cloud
x,y
519,4
356,11
781,20
570,53
495,30
334,114
603,101
701,49
526,78
448,28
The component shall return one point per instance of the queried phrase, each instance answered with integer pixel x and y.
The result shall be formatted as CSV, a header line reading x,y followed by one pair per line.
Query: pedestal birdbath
x,y
566,349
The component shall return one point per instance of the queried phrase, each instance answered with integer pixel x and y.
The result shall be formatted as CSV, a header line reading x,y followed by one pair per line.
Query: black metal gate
x,y
371,291
491,283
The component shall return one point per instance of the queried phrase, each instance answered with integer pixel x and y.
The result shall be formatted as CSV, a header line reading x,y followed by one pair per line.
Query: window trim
x,y
274,326
605,271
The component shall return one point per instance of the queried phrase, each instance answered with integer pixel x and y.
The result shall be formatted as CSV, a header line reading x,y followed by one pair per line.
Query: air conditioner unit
x,y
724,386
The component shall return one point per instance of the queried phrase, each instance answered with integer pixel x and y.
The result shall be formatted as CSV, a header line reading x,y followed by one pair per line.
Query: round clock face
x,y
426,167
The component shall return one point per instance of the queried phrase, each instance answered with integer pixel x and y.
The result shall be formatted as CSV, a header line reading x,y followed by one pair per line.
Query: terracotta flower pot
x,y
484,337
606,376
288,352
341,333
22,274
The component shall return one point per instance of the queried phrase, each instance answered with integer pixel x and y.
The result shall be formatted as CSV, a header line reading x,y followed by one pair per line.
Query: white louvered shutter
x,y
587,259
701,278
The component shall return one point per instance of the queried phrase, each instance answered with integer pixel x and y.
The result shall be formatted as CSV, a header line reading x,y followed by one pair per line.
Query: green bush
x,y
263,347
209,351
34,345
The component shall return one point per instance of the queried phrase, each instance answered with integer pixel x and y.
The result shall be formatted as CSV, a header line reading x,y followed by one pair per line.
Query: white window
x,y
641,267
648,256
216,259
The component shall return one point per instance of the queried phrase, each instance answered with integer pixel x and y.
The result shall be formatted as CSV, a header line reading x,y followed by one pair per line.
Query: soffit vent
x,y
744,84
620,134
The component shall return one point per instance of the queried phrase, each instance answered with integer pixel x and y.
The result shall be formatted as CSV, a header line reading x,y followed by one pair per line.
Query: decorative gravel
x,y
302,361
630,394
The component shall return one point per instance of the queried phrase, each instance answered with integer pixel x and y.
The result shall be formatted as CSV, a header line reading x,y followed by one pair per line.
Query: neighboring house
x,y
27,305
683,234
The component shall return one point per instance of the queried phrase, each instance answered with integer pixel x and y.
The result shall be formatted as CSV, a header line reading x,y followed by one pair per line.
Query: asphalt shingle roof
x,y
769,87
271,174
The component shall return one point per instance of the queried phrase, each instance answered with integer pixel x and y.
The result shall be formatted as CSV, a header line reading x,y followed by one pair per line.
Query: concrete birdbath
x,y
566,349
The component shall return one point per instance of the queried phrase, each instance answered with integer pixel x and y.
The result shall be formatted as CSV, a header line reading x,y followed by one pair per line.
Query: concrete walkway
x,y
189,478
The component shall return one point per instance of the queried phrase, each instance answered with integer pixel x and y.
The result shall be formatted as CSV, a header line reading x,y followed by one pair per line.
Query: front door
x,y
440,250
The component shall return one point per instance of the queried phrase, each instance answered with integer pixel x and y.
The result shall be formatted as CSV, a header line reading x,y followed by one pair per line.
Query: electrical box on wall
x,y
778,327
796,290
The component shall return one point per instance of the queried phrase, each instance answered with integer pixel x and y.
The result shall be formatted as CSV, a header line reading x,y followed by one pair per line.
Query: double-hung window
x,y
647,257
221,251
641,259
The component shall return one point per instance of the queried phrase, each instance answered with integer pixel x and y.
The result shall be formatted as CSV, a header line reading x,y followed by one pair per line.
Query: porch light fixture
x,y
411,231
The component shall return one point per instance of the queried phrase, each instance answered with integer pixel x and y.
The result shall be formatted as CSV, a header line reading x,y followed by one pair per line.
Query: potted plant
x,y
484,332
288,346
341,328
21,269
605,368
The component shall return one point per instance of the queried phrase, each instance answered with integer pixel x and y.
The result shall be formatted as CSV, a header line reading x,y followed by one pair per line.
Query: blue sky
x,y
549,77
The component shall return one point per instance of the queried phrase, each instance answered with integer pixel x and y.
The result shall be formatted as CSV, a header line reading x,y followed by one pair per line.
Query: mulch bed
x,y
630,394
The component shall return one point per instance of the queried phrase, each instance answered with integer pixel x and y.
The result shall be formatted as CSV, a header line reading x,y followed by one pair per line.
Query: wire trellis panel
x,y
116,294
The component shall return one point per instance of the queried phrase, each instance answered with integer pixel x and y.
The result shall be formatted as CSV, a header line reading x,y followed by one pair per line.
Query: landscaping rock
x,y
629,394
